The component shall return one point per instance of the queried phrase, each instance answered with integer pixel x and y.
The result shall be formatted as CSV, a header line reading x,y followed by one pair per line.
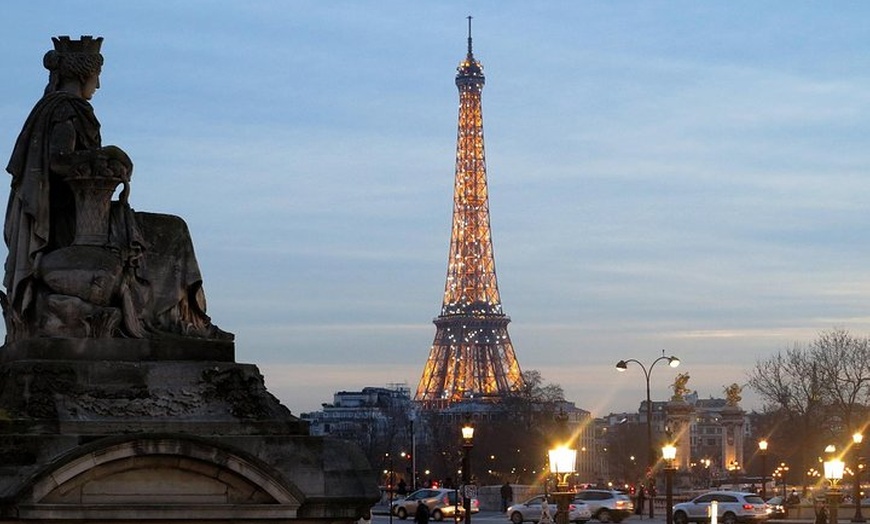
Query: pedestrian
x,y
421,516
507,496
821,508
403,488
641,497
366,517
546,518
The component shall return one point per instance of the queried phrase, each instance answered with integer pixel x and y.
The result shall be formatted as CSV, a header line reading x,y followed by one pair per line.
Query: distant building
x,y
377,418
706,431
623,437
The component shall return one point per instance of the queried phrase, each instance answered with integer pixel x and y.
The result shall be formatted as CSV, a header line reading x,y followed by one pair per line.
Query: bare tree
x,y
844,361
815,393
537,391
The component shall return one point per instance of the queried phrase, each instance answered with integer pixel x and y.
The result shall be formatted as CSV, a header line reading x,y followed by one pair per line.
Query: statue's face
x,y
90,86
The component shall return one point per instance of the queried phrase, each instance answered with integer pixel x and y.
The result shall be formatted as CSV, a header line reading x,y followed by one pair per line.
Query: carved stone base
x,y
118,349
177,441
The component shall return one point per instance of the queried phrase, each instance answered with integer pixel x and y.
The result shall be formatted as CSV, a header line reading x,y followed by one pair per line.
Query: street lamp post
x,y
857,439
762,449
783,473
562,464
413,453
622,365
390,479
707,474
467,444
833,472
669,453
734,472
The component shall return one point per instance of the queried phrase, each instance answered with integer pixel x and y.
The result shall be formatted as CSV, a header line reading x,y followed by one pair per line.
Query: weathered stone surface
x,y
166,347
83,437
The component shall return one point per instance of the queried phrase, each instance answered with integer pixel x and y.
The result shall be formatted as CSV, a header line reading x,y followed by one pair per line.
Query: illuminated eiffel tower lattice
x,y
472,356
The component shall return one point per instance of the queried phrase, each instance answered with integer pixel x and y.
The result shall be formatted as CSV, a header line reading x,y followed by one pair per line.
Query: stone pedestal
x,y
732,441
124,440
679,421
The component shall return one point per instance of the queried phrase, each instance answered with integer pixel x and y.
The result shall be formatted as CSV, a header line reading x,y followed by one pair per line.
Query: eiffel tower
x,y
472,356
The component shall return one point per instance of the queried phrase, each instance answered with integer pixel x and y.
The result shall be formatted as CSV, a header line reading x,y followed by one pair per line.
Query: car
x,y
441,502
606,505
530,511
775,508
733,507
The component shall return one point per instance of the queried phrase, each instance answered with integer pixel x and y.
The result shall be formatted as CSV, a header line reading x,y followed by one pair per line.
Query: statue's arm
x,y
109,161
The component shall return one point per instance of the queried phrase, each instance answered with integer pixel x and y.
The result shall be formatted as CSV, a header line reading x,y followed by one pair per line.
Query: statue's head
x,y
78,60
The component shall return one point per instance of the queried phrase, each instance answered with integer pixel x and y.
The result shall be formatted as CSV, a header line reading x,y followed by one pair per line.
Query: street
x,y
496,517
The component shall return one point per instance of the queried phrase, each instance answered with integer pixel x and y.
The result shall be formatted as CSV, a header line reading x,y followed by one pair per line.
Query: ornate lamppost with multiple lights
x,y
562,464
622,365
857,440
762,450
467,444
669,453
734,472
834,473
708,475
782,471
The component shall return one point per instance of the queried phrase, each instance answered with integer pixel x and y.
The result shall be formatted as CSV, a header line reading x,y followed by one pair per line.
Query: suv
x,y
733,507
441,502
606,505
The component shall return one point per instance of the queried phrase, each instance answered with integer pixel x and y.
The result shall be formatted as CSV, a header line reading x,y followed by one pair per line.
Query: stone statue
x,y
81,265
679,386
732,394
112,366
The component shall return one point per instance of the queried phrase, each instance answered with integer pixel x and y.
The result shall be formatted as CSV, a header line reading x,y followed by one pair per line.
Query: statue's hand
x,y
118,159
118,170
105,162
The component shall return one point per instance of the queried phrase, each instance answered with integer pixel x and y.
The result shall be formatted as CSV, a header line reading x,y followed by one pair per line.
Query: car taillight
x,y
748,506
446,500
620,503
571,507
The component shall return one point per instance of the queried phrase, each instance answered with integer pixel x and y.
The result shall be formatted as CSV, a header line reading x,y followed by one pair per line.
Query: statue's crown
x,y
87,44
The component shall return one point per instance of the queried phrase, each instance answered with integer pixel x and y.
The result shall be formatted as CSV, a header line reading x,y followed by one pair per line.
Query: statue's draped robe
x,y
29,214
161,272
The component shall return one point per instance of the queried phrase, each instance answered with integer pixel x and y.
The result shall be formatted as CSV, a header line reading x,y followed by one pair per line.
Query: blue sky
x,y
686,176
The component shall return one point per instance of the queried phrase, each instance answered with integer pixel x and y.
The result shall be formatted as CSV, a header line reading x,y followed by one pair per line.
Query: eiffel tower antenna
x,y
469,37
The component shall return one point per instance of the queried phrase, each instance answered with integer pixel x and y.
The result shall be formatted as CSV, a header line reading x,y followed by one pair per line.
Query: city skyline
x,y
673,176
